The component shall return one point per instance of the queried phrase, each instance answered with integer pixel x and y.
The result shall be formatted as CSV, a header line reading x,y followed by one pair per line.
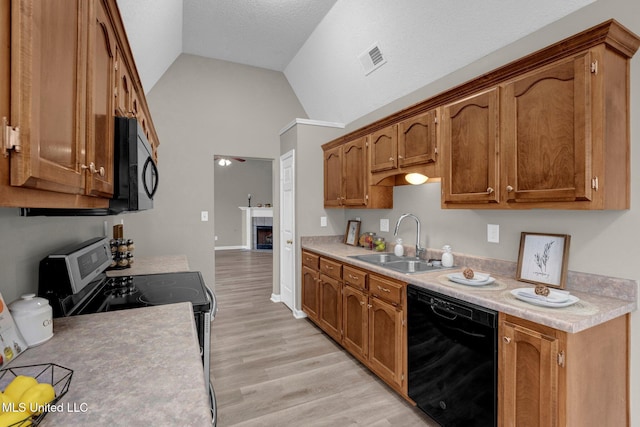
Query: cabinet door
x,y
355,322
385,341
330,314
354,172
417,140
547,137
100,105
124,87
310,292
470,144
528,377
47,91
333,177
384,149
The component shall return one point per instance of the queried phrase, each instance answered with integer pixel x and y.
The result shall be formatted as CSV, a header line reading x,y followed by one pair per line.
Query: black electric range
x,y
75,282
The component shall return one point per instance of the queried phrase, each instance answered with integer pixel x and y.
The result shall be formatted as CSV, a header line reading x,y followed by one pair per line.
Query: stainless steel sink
x,y
380,258
398,263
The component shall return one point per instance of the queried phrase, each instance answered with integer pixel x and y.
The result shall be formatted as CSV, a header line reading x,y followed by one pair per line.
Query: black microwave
x,y
135,175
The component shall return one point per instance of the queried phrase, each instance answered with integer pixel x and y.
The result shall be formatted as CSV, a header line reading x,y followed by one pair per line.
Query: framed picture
x,y
543,259
352,233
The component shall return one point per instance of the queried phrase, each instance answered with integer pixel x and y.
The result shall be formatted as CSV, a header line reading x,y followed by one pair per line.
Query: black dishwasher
x,y
452,359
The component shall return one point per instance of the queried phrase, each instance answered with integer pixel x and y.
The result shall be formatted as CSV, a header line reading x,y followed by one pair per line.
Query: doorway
x,y
243,202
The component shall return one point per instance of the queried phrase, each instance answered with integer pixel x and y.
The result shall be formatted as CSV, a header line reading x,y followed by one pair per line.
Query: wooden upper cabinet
x,y
333,177
347,180
470,147
101,77
384,149
64,85
47,94
547,133
124,87
417,140
355,172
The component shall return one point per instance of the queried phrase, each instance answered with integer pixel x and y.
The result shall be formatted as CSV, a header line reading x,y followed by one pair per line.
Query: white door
x,y
287,230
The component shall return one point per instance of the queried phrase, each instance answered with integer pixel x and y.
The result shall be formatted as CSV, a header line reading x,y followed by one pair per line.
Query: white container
x,y
398,249
447,256
34,318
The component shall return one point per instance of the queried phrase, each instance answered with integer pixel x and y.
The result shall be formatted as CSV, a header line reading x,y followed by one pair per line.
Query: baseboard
x,y
229,248
299,314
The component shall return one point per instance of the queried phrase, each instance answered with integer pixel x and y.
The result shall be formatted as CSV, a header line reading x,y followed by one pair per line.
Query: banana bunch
x,y
22,398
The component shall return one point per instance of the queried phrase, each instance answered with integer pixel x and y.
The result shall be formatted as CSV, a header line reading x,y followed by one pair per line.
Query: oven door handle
x,y
214,303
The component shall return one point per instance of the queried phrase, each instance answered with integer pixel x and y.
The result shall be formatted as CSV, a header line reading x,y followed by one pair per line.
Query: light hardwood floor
x,y
270,369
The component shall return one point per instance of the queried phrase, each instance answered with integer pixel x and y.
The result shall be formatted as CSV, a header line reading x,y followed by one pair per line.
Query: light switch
x,y
493,233
323,221
204,216
384,224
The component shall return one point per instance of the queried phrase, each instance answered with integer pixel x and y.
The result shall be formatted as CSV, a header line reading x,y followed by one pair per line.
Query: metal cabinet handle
x,y
92,169
383,289
353,277
509,188
506,340
391,159
490,190
289,242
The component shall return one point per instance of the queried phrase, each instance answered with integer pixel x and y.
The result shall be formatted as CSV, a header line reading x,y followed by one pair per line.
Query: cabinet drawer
x,y
331,268
386,289
310,260
354,277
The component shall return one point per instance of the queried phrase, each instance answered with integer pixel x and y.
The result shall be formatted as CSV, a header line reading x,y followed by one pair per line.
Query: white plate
x,y
479,279
525,294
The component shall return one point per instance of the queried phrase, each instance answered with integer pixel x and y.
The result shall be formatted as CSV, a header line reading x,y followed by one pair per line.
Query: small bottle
x,y
398,249
447,256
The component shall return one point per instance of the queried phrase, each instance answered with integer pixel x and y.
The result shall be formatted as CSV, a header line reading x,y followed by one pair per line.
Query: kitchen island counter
x,y
130,367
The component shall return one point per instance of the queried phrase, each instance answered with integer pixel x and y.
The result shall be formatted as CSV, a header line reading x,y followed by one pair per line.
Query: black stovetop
x,y
119,293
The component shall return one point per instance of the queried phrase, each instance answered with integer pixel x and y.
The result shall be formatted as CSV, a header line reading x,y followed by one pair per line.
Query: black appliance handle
x,y
442,314
151,192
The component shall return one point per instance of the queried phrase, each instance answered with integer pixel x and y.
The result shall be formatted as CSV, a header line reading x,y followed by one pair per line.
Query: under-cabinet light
x,y
416,178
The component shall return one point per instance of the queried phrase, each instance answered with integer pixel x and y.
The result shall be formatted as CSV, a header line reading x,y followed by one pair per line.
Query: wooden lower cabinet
x,y
330,312
355,322
372,329
310,292
552,378
386,349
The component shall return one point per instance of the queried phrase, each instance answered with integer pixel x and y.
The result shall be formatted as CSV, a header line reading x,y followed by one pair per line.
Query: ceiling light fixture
x,y
416,178
224,162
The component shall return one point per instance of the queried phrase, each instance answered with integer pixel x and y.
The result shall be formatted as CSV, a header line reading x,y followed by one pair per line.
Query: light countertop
x,y
153,265
131,367
601,298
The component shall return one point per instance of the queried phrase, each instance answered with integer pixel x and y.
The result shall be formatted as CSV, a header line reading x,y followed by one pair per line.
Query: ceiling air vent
x,y
372,59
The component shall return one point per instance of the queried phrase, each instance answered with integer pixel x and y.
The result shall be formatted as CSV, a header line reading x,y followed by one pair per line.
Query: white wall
x,y
154,31
421,40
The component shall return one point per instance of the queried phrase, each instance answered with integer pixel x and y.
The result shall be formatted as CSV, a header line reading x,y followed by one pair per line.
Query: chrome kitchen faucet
x,y
419,250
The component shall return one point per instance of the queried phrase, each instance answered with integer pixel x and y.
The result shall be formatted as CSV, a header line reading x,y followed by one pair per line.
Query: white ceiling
x,y
316,43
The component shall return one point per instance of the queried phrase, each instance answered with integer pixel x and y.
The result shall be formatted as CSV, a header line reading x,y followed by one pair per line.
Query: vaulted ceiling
x,y
317,44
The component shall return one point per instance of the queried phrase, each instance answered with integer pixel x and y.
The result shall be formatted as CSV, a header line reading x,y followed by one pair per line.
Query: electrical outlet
x,y
204,216
384,224
493,233
323,221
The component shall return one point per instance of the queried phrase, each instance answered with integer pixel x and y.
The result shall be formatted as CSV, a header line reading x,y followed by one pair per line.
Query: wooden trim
x,y
609,32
